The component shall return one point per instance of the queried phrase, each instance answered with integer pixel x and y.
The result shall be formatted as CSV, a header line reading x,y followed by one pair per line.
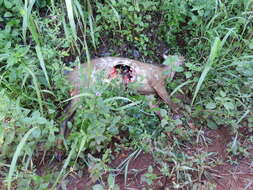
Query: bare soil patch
x,y
230,177
225,175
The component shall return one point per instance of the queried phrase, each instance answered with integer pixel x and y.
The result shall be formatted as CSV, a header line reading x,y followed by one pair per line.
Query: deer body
x,y
150,77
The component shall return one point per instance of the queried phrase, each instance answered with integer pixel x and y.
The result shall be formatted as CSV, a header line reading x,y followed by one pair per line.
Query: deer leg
x,y
69,113
163,94
153,105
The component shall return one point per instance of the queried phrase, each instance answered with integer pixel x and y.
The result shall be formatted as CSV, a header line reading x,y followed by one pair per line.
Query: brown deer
x,y
151,79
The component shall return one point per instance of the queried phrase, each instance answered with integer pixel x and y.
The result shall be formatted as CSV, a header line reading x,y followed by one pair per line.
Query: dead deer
x,y
151,79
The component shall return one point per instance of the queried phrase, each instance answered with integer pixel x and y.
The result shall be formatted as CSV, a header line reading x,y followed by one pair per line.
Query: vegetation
x,y
39,40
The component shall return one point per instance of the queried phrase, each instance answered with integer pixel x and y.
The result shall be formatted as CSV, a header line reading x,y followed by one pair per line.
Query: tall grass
x,y
221,35
70,13
215,49
37,89
27,12
16,155
28,22
66,163
75,14
213,54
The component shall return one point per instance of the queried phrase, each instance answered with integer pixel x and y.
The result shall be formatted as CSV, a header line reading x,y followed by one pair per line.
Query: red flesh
x,y
114,72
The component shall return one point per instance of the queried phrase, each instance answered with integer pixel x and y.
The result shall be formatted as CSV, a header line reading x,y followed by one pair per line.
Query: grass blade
x,y
36,85
82,21
80,10
71,17
116,14
66,29
66,163
34,31
35,34
230,30
53,6
217,45
26,16
124,165
92,31
180,86
25,21
89,64
78,96
42,63
117,98
83,145
16,155
127,106
214,52
243,116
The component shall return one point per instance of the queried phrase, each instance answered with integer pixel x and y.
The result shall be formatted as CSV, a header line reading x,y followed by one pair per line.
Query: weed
x,y
41,39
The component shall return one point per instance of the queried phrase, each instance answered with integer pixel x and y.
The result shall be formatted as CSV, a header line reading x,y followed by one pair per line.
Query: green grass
x,y
39,40
16,155
213,54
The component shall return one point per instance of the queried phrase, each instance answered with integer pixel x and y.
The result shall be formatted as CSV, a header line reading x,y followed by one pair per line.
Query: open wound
x,y
125,71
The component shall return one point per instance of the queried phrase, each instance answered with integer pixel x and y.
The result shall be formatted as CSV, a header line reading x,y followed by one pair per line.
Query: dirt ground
x,y
224,176
230,177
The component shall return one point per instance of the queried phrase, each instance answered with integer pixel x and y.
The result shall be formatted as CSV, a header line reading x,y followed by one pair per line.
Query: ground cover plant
x,y
116,141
